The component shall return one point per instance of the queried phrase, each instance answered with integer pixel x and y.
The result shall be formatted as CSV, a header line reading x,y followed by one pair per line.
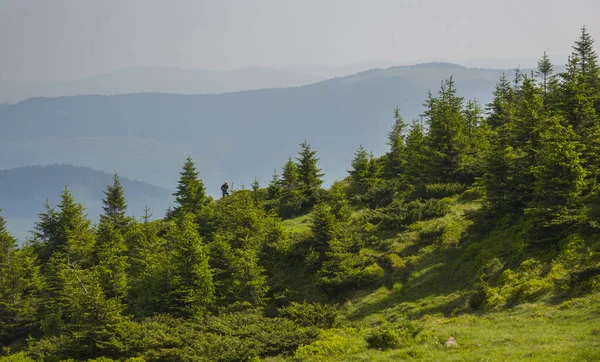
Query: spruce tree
x,y
292,199
544,70
309,175
191,285
418,155
66,230
20,288
446,122
115,205
587,58
501,109
396,157
559,179
111,260
191,193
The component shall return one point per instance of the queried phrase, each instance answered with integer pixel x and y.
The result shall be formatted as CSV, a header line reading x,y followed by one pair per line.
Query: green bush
x,y
383,338
439,191
427,209
311,314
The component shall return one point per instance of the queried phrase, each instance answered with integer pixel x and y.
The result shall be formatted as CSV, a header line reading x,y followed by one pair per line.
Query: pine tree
x,y
365,172
115,205
587,58
559,178
324,227
191,193
501,108
396,157
111,260
20,288
66,230
191,285
446,122
418,155
255,187
309,175
544,70
148,274
292,199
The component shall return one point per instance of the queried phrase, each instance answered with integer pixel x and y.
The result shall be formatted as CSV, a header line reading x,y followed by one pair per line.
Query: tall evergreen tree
x,y
111,260
191,193
115,205
501,109
365,172
66,230
396,157
309,175
20,288
587,58
292,199
191,285
544,71
446,122
559,177
418,155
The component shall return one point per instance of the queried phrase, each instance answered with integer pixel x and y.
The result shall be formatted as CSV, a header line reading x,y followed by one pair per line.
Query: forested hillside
x,y
233,136
474,237
25,190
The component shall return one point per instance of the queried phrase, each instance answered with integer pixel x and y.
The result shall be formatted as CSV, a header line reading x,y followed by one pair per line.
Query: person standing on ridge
x,y
224,189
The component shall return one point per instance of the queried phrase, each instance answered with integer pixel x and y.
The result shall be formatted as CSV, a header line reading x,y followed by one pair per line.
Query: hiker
x,y
224,188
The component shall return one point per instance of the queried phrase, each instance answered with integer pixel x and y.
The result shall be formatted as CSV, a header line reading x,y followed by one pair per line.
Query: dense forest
x,y
472,211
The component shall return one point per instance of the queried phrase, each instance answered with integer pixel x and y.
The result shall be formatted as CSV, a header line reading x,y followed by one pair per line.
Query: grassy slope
x,y
440,260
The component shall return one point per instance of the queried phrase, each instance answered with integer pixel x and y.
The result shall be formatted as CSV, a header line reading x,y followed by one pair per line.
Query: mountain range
x,y
233,136
24,191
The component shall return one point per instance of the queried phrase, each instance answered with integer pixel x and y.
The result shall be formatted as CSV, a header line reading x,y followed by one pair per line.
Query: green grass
x,y
299,224
528,332
441,259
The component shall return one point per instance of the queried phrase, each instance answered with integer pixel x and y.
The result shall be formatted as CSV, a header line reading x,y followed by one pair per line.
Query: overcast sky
x,y
53,40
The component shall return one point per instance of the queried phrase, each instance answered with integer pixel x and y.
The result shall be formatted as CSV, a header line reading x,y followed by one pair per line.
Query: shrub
x,y
427,209
332,342
383,338
439,191
311,314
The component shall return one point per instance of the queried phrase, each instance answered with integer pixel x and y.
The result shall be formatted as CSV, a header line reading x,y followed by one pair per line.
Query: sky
x,y
58,40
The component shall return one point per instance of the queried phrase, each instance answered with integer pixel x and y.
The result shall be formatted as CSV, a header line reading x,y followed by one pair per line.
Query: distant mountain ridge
x,y
232,136
24,191
160,79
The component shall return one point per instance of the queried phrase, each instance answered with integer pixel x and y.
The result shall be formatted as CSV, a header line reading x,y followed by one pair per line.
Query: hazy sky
x,y
65,39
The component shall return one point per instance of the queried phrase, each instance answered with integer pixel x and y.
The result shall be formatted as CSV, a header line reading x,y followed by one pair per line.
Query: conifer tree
x,y
587,58
148,274
309,175
559,177
255,187
20,288
115,205
191,285
191,193
111,260
418,155
446,126
66,230
324,227
292,199
396,157
501,108
365,172
544,70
